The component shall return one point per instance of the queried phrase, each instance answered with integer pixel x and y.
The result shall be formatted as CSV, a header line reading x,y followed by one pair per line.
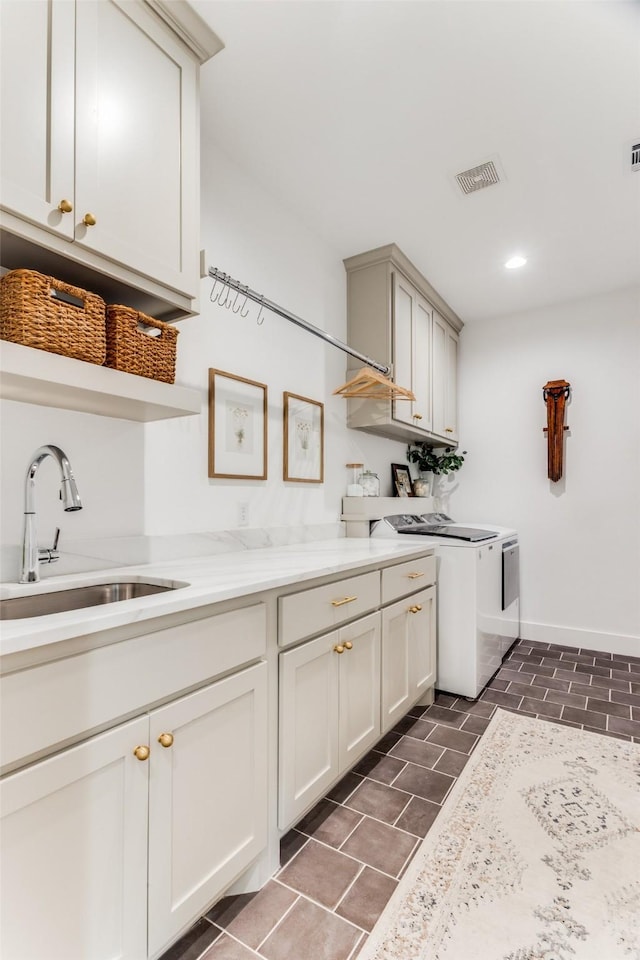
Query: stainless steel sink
x,y
41,604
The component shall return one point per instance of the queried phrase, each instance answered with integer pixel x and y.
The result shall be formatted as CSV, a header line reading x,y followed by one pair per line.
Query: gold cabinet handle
x,y
417,416
448,429
414,576
416,608
339,603
165,739
348,645
89,220
64,206
142,752
338,648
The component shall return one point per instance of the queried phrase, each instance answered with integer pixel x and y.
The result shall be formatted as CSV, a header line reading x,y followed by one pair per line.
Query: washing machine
x,y
478,594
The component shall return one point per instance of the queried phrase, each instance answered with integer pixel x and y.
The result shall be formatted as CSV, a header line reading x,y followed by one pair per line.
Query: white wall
x,y
107,458
580,537
251,236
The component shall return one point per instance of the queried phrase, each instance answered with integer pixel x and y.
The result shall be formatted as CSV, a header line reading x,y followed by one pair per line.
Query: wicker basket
x,y
47,314
133,350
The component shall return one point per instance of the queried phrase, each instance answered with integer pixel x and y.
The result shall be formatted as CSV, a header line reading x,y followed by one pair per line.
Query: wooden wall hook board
x,y
555,394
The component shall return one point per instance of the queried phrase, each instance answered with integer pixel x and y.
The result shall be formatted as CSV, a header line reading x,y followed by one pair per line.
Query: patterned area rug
x,y
534,856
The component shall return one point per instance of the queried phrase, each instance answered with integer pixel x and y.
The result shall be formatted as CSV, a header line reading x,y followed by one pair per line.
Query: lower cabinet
x,y
408,653
329,711
175,800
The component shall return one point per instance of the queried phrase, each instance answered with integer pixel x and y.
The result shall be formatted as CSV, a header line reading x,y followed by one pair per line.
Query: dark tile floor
x,y
342,862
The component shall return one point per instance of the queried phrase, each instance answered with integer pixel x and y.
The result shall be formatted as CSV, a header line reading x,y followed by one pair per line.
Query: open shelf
x,y
36,376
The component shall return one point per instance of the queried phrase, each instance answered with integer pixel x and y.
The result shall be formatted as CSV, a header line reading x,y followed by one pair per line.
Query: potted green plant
x,y
431,461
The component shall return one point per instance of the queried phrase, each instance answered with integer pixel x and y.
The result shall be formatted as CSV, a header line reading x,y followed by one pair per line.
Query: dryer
x,y
478,594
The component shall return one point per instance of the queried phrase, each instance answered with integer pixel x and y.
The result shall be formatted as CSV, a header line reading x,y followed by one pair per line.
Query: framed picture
x,y
401,480
303,439
237,427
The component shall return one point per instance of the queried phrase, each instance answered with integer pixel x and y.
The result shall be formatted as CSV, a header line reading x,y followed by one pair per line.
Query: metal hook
x,y
238,308
243,312
215,280
223,303
260,319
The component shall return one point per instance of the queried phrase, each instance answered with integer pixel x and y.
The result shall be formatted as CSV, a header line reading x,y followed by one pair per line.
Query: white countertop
x,y
209,580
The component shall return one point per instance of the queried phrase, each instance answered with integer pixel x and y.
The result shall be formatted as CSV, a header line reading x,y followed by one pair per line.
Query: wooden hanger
x,y
369,384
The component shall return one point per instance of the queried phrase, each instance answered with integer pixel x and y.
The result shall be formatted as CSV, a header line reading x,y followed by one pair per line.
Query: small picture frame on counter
x,y
401,479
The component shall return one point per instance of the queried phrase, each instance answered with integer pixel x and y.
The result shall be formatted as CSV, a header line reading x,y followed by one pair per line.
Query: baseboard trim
x,y
625,645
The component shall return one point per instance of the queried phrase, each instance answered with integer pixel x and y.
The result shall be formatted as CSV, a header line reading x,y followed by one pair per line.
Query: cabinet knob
x,y
338,648
339,603
417,416
348,645
64,206
416,608
142,753
165,739
89,220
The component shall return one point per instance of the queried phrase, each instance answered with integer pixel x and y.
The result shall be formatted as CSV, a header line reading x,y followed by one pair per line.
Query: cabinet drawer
x,y
46,706
405,578
302,614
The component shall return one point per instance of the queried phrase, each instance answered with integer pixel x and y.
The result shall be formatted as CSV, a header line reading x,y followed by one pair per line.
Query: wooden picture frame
x,y
401,478
303,439
237,427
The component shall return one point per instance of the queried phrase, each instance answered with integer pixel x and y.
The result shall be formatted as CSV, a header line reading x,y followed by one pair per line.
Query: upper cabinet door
x,y
422,366
36,105
136,143
404,305
445,386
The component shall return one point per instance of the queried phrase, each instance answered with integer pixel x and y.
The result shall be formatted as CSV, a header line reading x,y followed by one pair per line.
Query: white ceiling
x,y
357,114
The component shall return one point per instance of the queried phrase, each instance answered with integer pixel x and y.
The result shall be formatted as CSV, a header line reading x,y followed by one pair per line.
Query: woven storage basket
x,y
132,350
47,314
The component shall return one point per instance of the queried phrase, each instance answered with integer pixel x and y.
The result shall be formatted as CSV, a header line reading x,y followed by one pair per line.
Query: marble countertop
x,y
206,580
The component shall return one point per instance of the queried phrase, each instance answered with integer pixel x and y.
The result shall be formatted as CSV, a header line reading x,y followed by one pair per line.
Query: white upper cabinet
x,y
37,112
412,353
396,317
100,147
445,379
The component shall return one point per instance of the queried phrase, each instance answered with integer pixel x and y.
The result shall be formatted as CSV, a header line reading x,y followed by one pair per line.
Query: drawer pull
x,y
448,429
417,416
416,608
414,576
165,739
348,645
339,603
142,753
338,648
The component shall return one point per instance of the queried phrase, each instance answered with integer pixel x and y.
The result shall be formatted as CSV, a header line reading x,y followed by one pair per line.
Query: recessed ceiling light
x,y
515,262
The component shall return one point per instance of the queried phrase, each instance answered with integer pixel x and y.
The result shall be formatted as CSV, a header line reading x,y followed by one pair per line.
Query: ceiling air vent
x,y
635,156
477,178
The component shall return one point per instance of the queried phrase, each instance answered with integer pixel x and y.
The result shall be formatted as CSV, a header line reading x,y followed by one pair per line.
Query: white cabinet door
x,y
408,653
309,703
412,353
74,853
404,304
359,711
422,408
208,797
36,106
445,379
136,143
